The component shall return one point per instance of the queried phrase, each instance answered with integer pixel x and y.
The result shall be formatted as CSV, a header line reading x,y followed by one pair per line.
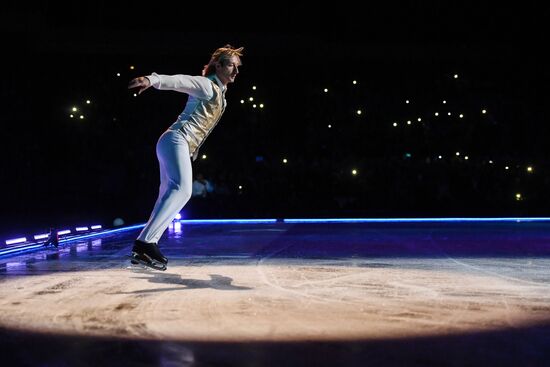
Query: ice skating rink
x,y
287,294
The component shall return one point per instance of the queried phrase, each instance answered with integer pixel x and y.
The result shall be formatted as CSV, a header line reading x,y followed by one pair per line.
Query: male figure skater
x,y
182,140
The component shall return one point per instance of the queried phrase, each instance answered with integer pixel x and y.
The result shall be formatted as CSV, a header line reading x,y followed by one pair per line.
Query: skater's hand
x,y
142,83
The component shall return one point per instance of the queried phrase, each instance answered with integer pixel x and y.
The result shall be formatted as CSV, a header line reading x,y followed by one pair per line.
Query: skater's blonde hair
x,y
221,55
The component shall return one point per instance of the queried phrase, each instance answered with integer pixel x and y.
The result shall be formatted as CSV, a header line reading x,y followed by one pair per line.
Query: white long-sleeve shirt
x,y
197,86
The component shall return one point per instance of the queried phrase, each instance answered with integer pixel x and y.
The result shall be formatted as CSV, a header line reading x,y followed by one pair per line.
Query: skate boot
x,y
148,254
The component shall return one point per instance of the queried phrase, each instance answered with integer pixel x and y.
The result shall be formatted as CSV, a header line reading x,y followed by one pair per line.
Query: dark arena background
x,y
378,187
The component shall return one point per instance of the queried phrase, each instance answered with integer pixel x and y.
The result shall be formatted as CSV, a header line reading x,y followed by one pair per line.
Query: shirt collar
x,y
220,84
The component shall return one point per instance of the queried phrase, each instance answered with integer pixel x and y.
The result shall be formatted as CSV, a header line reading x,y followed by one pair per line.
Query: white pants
x,y
176,184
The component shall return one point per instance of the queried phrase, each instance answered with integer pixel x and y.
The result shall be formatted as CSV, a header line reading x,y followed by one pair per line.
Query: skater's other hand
x,y
141,82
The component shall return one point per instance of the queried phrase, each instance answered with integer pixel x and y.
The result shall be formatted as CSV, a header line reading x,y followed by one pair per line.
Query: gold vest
x,y
197,125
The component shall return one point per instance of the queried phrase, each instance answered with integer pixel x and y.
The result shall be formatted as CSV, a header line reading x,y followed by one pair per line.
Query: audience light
x,y
354,82
354,172
88,101
325,90
359,112
529,169
242,101
484,111
518,196
456,76
261,105
253,87
285,160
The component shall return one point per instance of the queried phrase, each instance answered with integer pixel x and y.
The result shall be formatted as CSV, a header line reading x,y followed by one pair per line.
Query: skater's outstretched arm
x,y
196,86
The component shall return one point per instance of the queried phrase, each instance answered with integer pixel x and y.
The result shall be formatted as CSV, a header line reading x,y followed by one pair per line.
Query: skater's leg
x,y
162,190
175,188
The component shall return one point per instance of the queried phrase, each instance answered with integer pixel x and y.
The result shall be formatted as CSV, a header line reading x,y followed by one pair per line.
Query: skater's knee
x,y
186,193
183,190
176,185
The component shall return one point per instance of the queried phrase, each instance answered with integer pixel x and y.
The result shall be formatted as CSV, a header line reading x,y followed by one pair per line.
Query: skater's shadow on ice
x,y
216,281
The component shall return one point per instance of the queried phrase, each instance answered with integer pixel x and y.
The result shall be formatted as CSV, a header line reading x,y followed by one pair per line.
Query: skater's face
x,y
227,70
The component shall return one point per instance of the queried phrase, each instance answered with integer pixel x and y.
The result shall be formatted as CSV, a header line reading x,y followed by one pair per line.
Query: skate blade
x,y
153,265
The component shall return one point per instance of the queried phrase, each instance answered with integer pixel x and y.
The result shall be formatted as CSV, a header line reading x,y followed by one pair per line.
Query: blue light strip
x,y
91,235
227,221
20,249
415,220
32,247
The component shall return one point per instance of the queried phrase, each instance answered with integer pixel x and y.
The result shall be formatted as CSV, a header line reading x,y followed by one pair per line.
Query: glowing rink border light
x,y
416,220
37,246
40,246
26,247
